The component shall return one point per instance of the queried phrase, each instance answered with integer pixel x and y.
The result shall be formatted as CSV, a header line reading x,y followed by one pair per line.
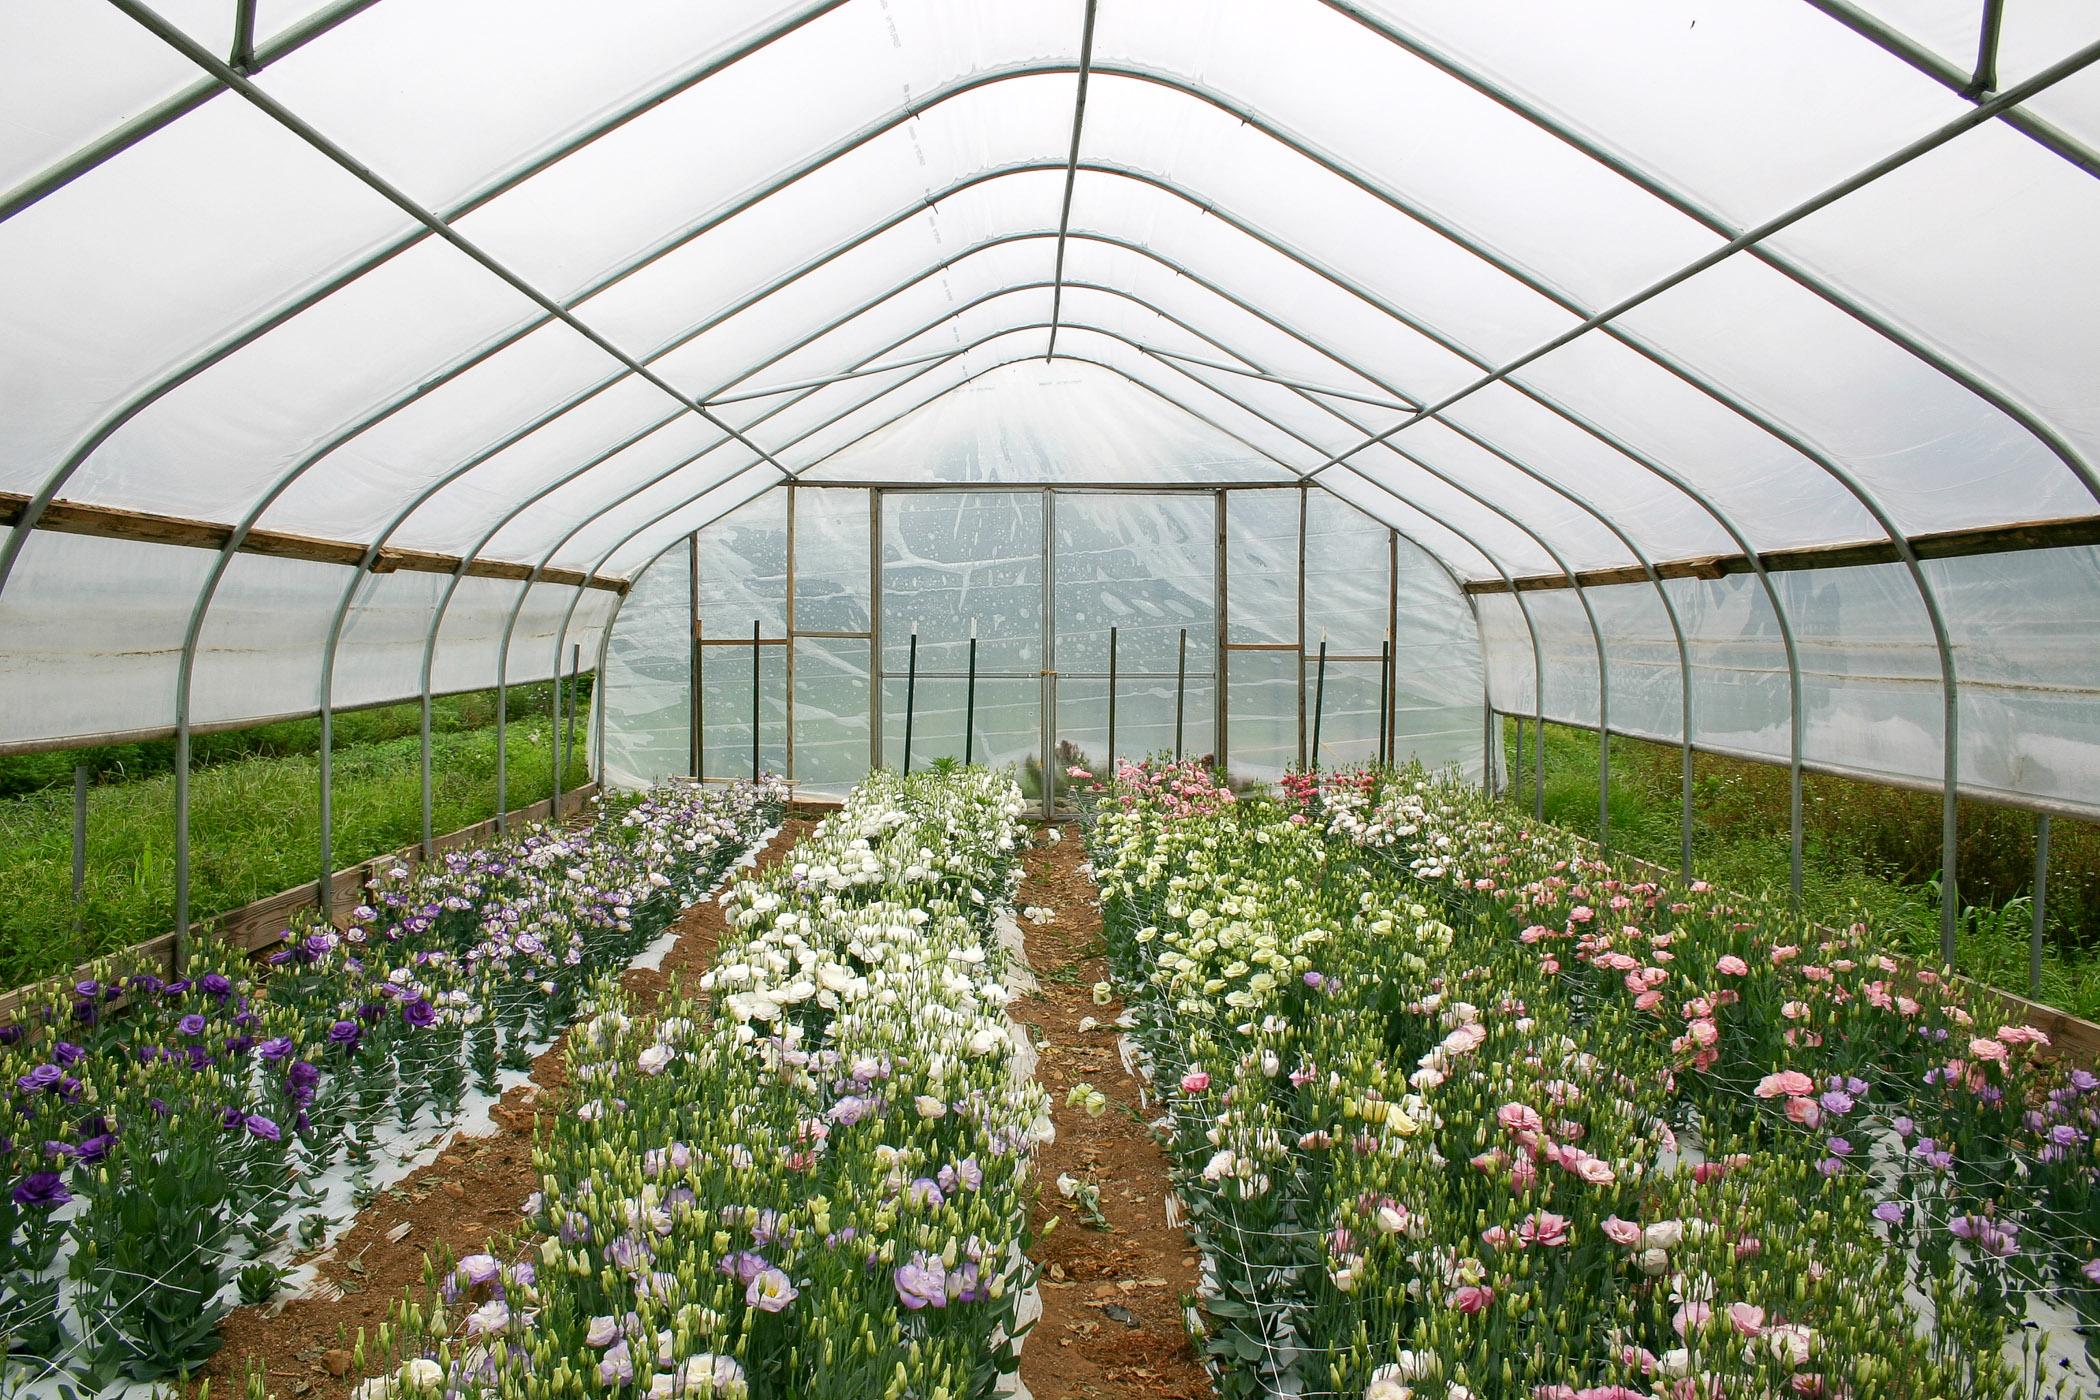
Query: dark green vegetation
x,y
1869,852
254,816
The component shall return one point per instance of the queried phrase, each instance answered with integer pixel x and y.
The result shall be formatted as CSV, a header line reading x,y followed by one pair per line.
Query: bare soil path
x,y
1113,1325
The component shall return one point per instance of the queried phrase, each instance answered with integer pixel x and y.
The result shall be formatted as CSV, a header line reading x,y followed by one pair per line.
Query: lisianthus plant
x,y
809,1176
159,1134
1456,1111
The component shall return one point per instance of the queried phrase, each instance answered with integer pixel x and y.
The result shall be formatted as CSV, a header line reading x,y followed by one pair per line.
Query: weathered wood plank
x,y
2068,532
112,522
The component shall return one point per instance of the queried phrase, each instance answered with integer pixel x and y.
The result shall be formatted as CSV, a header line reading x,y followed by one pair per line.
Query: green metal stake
x,y
1181,690
1319,700
911,694
970,704
1111,700
1385,696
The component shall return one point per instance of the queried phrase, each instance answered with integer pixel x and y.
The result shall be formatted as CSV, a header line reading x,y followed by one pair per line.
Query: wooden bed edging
x,y
258,923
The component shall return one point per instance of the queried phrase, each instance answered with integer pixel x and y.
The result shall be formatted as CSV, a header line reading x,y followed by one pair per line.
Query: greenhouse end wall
x,y
1212,604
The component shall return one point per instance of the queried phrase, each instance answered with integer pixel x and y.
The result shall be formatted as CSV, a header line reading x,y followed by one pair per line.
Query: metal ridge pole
x,y
1064,217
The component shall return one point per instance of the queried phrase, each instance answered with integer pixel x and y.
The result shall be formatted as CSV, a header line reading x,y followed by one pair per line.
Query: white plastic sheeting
x,y
1541,287
1039,576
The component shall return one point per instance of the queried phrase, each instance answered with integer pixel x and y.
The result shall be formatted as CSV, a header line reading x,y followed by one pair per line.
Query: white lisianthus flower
x,y
1387,1384
655,1059
421,1373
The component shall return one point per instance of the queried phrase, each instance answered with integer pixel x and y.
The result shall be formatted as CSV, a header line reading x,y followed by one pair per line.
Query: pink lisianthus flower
x,y
1789,1083
1544,1229
1473,1298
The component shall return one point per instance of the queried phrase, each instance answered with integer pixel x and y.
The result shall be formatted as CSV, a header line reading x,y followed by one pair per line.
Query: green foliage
x,y
254,828
1868,852
449,714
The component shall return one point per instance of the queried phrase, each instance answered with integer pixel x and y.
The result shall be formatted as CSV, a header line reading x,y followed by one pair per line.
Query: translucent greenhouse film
x,y
1250,434
1747,405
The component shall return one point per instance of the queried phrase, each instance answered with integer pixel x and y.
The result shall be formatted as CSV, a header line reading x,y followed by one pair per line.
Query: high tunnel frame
x,y
234,75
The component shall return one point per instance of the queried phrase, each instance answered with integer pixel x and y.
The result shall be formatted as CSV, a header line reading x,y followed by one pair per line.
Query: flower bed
x,y
814,1184
158,1155
1458,1111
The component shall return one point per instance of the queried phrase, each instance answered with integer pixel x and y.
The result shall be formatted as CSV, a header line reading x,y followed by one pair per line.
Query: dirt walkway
x,y
1113,1323
468,1198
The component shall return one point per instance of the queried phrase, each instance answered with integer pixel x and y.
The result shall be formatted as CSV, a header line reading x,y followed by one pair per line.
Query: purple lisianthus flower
x,y
94,1149
419,1013
214,984
345,1034
191,1025
965,1174
1904,1126
1838,1101
924,1192
2065,1135
67,1053
849,1110
275,1048
2084,1081
616,1367
41,1191
1840,1147
40,1079
239,1045
177,987
922,1283
302,1075
2091,1270
479,1270
88,988
263,1128
1889,1212
744,1266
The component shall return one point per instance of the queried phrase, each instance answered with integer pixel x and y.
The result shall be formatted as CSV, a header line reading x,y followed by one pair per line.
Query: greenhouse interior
x,y
1098,698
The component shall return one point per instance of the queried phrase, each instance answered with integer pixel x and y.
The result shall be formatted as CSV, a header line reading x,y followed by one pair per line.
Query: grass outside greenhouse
x,y
1868,852
254,817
